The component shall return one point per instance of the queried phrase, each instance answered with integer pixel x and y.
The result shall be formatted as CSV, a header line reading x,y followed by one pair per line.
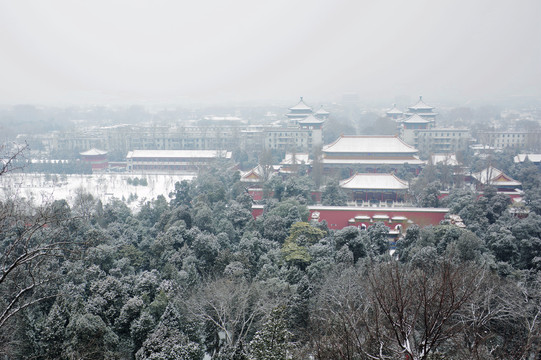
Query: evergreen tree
x,y
272,341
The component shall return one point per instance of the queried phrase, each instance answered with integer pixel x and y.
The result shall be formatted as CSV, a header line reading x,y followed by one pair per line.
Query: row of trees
x,y
196,274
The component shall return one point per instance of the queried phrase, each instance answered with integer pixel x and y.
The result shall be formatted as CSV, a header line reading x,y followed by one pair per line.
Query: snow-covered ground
x,y
41,188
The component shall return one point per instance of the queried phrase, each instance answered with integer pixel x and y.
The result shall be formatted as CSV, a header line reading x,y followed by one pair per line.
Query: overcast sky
x,y
88,52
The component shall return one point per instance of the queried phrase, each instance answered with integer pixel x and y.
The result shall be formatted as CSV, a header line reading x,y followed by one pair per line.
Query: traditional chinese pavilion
x,y
369,154
321,113
423,110
496,178
299,111
374,189
394,113
96,158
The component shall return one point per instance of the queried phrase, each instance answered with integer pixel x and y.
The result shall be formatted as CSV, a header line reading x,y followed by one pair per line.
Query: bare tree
x,y
390,310
230,308
8,157
338,320
31,240
419,306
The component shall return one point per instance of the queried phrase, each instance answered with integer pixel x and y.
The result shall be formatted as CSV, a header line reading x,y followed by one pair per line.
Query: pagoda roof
x,y
496,177
374,182
416,119
322,111
301,106
93,152
394,110
311,119
369,144
421,105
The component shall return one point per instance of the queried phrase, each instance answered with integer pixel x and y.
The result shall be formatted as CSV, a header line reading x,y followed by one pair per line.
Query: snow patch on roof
x,y
369,144
374,182
421,105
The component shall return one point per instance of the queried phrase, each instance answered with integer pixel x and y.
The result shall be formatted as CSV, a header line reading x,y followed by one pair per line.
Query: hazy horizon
x,y
65,52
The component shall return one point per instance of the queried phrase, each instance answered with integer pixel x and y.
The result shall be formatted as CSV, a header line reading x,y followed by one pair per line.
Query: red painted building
x,y
96,158
339,217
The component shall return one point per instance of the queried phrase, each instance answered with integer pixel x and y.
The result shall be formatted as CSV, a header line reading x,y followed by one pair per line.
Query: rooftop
x,y
532,157
371,144
93,152
311,119
445,159
421,105
374,182
297,158
322,111
410,161
394,110
493,176
416,119
301,106
179,154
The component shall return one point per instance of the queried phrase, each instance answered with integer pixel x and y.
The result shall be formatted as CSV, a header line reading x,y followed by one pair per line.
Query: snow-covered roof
x,y
300,106
362,217
482,147
399,218
374,182
253,175
445,159
203,154
93,152
421,105
257,174
410,161
222,118
394,110
322,111
369,144
416,119
535,158
493,176
295,159
311,119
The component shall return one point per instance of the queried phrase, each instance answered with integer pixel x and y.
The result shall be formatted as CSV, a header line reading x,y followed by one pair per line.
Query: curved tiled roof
x,y
496,177
374,182
394,110
421,105
93,152
369,144
322,111
300,106
311,119
416,119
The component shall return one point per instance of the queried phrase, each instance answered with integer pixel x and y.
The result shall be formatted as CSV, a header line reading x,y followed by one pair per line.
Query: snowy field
x,y
42,188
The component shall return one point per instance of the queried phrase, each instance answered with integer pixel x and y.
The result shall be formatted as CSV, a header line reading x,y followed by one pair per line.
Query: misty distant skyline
x,y
64,52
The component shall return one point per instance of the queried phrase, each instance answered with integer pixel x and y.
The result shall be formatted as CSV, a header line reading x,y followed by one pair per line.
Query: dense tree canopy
x,y
196,274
